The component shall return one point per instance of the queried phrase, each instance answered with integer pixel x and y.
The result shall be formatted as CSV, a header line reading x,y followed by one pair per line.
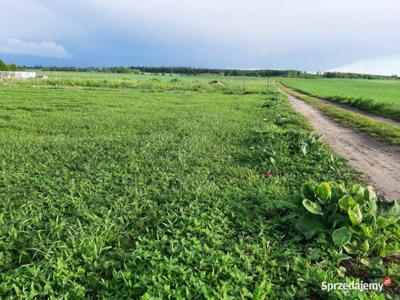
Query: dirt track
x,y
379,162
353,109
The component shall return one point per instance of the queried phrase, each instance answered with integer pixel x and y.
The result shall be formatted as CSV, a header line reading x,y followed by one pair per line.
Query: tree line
x,y
178,70
357,76
208,71
5,67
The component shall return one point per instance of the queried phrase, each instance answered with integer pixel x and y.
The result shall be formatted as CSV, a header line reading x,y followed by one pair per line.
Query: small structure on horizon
x,y
17,75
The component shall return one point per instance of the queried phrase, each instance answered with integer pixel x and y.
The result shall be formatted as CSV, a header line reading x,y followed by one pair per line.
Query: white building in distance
x,y
17,75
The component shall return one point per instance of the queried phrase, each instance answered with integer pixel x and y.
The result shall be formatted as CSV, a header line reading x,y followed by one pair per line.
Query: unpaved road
x,y
377,161
361,112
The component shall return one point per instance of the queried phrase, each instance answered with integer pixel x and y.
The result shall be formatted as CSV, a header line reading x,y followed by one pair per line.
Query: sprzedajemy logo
x,y
356,286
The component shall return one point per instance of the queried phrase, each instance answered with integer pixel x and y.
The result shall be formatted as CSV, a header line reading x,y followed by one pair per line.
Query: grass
x,y
119,193
153,83
380,97
202,78
377,129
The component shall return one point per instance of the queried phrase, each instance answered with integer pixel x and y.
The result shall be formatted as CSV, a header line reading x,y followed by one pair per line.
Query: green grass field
x,y
381,97
162,191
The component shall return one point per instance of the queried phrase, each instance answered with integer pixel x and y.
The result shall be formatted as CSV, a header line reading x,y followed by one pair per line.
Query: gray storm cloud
x,y
332,33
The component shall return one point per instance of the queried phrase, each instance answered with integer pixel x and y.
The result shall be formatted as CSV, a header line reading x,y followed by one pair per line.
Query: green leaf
x,y
303,148
336,220
350,249
341,257
308,191
324,191
382,251
359,199
382,222
357,189
338,190
369,193
340,220
365,262
366,246
346,202
341,236
309,226
393,219
355,215
312,207
314,253
367,230
373,208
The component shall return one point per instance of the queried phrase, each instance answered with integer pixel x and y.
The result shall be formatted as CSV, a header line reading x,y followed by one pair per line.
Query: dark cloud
x,y
304,34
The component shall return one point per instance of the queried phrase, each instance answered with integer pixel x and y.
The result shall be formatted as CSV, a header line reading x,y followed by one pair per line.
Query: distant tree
x,y
12,67
3,66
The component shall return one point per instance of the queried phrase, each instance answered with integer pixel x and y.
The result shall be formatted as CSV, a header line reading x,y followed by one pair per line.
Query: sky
x,y
310,35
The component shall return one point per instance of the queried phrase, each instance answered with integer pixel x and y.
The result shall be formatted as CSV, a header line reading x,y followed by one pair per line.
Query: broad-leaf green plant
x,y
356,220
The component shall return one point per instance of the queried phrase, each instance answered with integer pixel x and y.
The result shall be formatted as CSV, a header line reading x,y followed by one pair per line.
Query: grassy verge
x,y
377,129
118,194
